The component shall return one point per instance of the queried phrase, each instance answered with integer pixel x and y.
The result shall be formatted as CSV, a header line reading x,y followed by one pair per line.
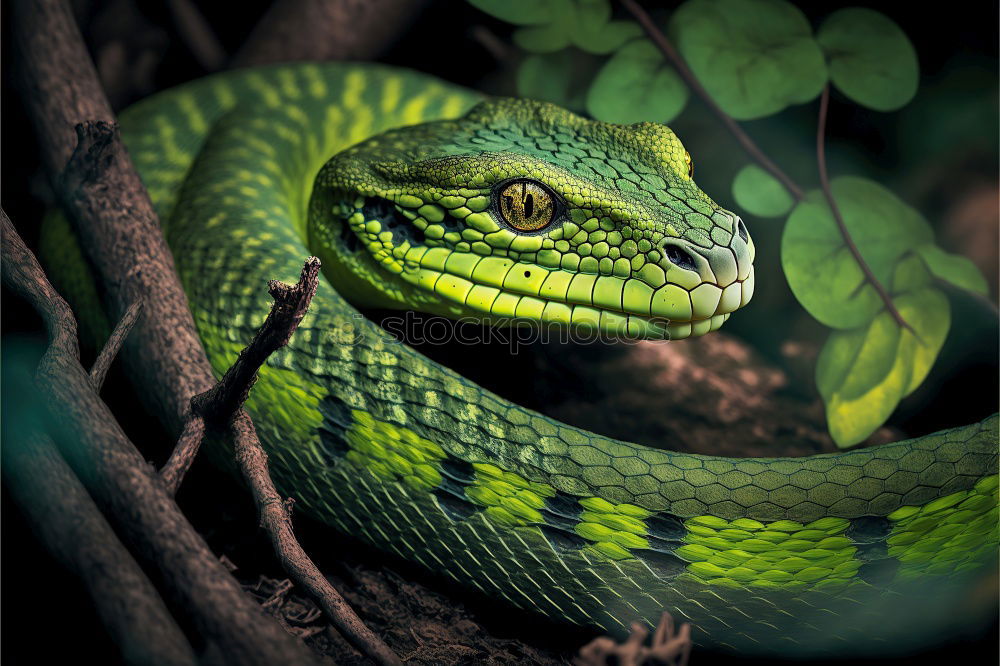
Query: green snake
x,y
418,194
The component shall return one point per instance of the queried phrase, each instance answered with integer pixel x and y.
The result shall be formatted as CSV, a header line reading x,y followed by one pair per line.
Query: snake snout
x,y
716,280
721,265
716,265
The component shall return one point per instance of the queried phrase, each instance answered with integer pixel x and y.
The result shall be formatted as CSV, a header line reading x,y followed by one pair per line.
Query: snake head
x,y
524,211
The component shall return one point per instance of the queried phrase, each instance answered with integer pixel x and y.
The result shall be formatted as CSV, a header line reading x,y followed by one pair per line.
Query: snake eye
x,y
690,163
527,205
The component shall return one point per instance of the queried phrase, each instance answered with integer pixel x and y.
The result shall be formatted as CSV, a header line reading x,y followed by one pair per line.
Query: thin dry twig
x,y
183,455
666,648
664,44
220,410
107,356
290,305
824,180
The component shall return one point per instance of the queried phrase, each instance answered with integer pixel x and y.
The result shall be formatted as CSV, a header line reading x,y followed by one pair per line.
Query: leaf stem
x,y
824,181
660,40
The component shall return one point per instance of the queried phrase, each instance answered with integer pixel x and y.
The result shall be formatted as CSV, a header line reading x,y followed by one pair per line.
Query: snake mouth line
x,y
504,289
499,306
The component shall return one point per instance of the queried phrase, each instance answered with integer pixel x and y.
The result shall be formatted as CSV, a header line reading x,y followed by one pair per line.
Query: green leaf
x,y
851,364
636,84
929,313
910,274
755,57
546,77
759,193
518,12
822,271
585,24
863,373
543,38
953,268
870,58
605,38
595,32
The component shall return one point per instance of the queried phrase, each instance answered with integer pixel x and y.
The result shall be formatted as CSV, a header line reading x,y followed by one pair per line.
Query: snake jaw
x,y
502,290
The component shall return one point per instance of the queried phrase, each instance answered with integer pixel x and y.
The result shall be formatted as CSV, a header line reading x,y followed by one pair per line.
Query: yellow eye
x,y
527,205
690,163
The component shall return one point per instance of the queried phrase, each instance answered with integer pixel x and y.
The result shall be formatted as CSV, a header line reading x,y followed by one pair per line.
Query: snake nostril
x,y
679,257
742,229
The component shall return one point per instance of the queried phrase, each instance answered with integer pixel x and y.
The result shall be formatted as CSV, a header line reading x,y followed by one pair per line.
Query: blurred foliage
x,y
636,74
759,193
870,59
22,410
756,59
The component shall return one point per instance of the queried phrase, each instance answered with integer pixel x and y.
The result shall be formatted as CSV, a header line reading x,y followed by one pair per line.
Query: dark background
x,y
939,154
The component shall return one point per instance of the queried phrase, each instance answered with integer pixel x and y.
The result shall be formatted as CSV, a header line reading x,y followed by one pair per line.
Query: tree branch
x,y
667,48
121,482
293,30
71,527
221,402
824,180
195,31
119,232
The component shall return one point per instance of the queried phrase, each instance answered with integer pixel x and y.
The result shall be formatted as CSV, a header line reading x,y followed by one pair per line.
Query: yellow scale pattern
x,y
615,529
393,453
950,534
509,498
783,553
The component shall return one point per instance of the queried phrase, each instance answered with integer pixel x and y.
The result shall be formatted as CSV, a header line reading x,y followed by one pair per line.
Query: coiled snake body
x,y
520,209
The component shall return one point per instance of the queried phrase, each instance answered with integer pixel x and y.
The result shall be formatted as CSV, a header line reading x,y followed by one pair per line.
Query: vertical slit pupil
x,y
529,205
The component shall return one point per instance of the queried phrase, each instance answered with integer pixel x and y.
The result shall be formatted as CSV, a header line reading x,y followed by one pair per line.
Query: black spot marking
x,y
456,474
879,572
458,470
666,527
869,552
561,540
456,507
379,209
562,511
664,532
868,529
452,224
664,565
332,433
527,274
